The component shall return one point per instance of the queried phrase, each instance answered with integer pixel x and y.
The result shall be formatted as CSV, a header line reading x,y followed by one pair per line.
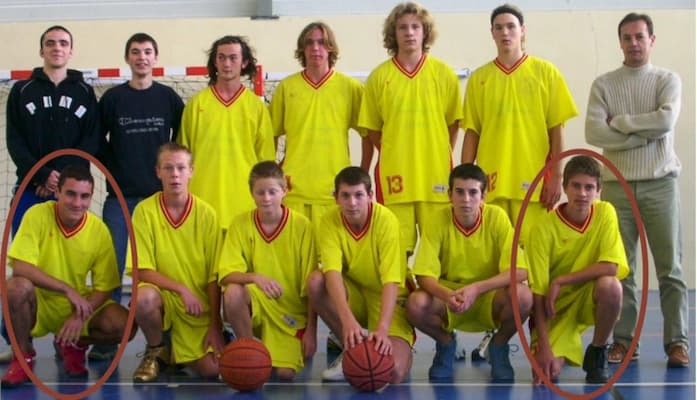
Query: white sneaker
x,y
460,351
6,355
482,351
335,371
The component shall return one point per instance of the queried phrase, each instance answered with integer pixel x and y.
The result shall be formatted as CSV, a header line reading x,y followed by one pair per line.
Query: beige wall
x,y
582,44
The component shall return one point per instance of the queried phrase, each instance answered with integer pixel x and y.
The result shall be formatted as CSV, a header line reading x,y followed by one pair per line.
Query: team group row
x,y
410,110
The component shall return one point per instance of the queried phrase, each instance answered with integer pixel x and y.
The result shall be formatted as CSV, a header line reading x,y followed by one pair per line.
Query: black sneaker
x,y
595,364
102,352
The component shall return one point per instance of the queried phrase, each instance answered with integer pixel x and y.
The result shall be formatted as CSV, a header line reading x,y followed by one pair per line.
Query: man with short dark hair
x,y
632,112
463,271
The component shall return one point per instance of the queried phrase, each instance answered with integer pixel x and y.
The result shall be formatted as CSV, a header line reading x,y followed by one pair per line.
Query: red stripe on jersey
x,y
228,102
359,235
268,238
321,81
187,210
515,66
68,233
578,228
406,72
463,229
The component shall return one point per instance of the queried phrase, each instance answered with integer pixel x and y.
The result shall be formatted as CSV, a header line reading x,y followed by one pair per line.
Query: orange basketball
x,y
245,364
366,369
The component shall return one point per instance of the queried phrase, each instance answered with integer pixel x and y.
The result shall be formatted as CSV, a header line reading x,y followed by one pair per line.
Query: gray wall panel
x,y
53,10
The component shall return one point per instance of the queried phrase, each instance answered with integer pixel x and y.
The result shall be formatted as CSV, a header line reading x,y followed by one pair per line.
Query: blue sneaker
x,y
442,367
501,369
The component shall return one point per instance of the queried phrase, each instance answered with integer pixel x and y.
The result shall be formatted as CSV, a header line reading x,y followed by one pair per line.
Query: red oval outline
x,y
3,284
645,268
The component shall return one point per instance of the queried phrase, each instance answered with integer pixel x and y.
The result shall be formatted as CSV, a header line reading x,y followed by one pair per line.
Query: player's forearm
x,y
334,284
239,278
431,286
367,151
38,277
453,129
501,280
469,147
556,146
591,273
540,318
388,302
161,281
375,137
97,298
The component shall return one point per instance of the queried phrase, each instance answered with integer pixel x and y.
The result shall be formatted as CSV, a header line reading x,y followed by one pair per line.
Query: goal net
x,y
185,86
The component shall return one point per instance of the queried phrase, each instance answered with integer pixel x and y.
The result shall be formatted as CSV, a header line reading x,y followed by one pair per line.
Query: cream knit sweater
x,y
644,104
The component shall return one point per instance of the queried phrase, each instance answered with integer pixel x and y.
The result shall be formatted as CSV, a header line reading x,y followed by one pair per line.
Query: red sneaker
x,y
15,375
74,359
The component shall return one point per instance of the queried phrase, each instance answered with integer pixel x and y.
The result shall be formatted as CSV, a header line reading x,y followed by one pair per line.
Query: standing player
x,y
228,125
177,236
632,112
362,281
411,110
462,268
576,260
266,257
136,118
514,111
54,109
57,246
315,109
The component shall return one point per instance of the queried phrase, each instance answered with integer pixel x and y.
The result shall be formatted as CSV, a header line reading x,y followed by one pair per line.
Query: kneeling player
x,y
58,244
177,238
266,258
462,268
362,281
577,259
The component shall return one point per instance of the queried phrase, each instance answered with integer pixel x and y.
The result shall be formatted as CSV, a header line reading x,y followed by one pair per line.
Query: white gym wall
x,y
579,37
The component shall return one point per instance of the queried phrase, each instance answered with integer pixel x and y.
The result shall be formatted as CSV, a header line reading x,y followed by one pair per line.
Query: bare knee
x,y
149,301
236,299
19,289
285,374
235,296
111,321
608,290
417,306
525,302
206,366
